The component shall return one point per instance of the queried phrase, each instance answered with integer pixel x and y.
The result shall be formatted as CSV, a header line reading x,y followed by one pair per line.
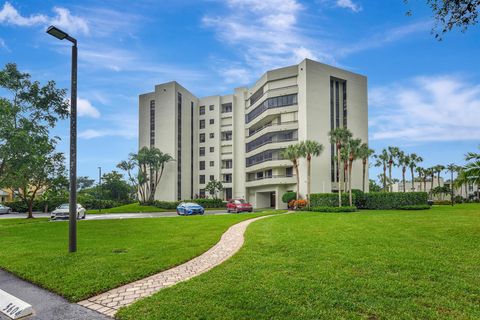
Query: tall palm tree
x,y
431,172
392,157
421,176
472,168
438,169
382,160
309,149
452,167
364,154
353,151
293,153
414,161
339,137
403,161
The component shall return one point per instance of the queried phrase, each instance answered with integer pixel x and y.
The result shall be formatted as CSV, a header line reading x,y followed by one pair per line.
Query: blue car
x,y
188,208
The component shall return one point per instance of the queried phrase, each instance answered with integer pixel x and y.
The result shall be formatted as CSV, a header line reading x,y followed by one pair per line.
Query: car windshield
x,y
63,206
191,204
240,201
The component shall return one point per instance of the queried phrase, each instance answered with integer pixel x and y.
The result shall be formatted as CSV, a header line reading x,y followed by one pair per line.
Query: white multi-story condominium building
x,y
238,138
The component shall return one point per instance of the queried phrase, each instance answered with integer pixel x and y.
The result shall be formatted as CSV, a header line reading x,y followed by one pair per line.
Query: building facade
x,y
238,138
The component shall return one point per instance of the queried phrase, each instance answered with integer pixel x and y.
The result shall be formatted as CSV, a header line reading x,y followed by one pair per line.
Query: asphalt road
x,y
111,216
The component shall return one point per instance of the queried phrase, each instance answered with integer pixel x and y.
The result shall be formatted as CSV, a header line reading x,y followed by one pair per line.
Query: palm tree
x,y
414,160
439,168
338,137
309,149
472,169
293,153
353,154
421,176
452,167
431,173
403,161
392,156
364,154
382,160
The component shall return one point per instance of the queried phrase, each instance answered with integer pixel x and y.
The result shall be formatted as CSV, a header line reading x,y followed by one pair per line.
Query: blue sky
x,y
424,94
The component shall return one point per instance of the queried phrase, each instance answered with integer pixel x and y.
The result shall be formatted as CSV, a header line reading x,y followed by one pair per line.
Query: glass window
x,y
202,179
202,137
202,124
202,151
212,149
201,110
212,135
289,171
202,165
202,193
212,163
226,107
211,107
212,177
212,121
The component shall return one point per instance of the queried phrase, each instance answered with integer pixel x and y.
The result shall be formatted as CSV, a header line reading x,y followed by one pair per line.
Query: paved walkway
x,y
46,305
109,302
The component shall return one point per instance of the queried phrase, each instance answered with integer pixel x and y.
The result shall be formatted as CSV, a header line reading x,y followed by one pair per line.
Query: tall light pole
x,y
72,225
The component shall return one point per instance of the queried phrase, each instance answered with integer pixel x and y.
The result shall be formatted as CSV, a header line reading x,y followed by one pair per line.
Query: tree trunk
x,y
390,187
384,178
413,179
364,173
339,180
350,183
309,159
298,179
30,209
431,183
425,183
438,179
403,179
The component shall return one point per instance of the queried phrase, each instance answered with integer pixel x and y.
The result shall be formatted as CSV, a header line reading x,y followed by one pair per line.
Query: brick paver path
x,y
109,302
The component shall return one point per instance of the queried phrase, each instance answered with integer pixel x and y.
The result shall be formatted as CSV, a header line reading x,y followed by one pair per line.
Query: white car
x,y
62,212
4,209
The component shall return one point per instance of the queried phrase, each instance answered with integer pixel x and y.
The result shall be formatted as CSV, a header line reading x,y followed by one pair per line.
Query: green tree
x,y
423,178
364,153
293,153
114,187
393,153
403,162
373,186
353,154
84,182
339,137
449,14
309,149
452,167
382,161
438,170
213,187
412,164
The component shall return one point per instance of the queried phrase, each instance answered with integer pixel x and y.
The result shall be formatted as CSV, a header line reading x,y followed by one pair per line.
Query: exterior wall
x,y
293,105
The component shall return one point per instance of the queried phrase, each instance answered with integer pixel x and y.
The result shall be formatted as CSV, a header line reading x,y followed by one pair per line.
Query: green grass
x,y
135,208
110,252
364,265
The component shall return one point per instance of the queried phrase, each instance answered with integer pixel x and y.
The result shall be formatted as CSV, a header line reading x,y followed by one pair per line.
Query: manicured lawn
x,y
110,252
136,208
366,265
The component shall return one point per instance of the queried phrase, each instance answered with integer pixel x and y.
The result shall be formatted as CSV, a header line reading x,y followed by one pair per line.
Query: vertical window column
x,y
191,149
179,146
152,123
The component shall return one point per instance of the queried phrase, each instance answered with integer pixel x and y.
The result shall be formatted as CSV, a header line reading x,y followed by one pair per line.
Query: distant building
x,y
238,138
467,191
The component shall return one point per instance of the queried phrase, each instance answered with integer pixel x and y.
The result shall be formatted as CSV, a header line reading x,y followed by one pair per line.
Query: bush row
x,y
334,209
416,207
372,200
171,205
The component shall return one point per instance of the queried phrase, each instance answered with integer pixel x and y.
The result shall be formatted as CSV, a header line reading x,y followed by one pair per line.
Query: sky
x,y
424,94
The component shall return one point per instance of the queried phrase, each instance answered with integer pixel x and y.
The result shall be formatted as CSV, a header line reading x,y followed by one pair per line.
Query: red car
x,y
238,205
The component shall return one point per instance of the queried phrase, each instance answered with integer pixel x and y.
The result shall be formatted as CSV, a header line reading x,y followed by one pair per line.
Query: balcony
x,y
275,176
252,132
272,179
274,137
271,103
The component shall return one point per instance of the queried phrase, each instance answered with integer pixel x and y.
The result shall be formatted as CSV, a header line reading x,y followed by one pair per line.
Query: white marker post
x,y
14,307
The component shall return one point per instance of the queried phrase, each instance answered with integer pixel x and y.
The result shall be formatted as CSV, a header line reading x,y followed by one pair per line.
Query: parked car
x,y
189,208
239,205
4,209
63,211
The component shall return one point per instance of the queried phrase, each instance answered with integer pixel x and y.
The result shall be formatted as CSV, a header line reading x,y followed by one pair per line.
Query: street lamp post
x,y
72,225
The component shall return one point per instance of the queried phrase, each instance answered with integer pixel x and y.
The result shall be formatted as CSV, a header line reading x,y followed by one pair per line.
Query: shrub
x,y
297,204
359,198
17,206
416,207
172,205
167,205
394,200
442,202
334,209
328,199
289,196
209,203
458,199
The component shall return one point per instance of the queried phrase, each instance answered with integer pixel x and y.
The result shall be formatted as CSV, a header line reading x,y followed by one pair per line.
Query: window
x,y
201,110
212,121
268,173
256,96
202,193
202,137
226,107
212,135
152,123
179,146
226,135
202,124
289,172
212,107
202,179
202,165
212,149
212,177
202,151
227,178
227,164
271,103
212,163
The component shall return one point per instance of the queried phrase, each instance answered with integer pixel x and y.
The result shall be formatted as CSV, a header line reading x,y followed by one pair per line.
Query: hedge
x,y
328,199
416,207
172,205
52,204
394,200
334,209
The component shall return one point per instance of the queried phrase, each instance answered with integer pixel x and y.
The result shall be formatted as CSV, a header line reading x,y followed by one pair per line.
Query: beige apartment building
x,y
238,138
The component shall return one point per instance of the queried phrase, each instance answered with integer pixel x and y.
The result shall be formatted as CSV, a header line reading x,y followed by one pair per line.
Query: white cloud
x,y
435,108
62,18
118,125
85,109
349,4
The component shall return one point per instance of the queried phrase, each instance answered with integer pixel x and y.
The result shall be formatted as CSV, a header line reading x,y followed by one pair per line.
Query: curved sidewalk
x,y
109,302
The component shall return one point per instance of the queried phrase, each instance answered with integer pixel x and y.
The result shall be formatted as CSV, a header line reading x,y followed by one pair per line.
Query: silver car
x,y
62,212
4,209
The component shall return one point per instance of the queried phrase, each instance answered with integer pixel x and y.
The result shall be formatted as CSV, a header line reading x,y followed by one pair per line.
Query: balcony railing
x,y
251,132
279,176
265,158
273,140
271,103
